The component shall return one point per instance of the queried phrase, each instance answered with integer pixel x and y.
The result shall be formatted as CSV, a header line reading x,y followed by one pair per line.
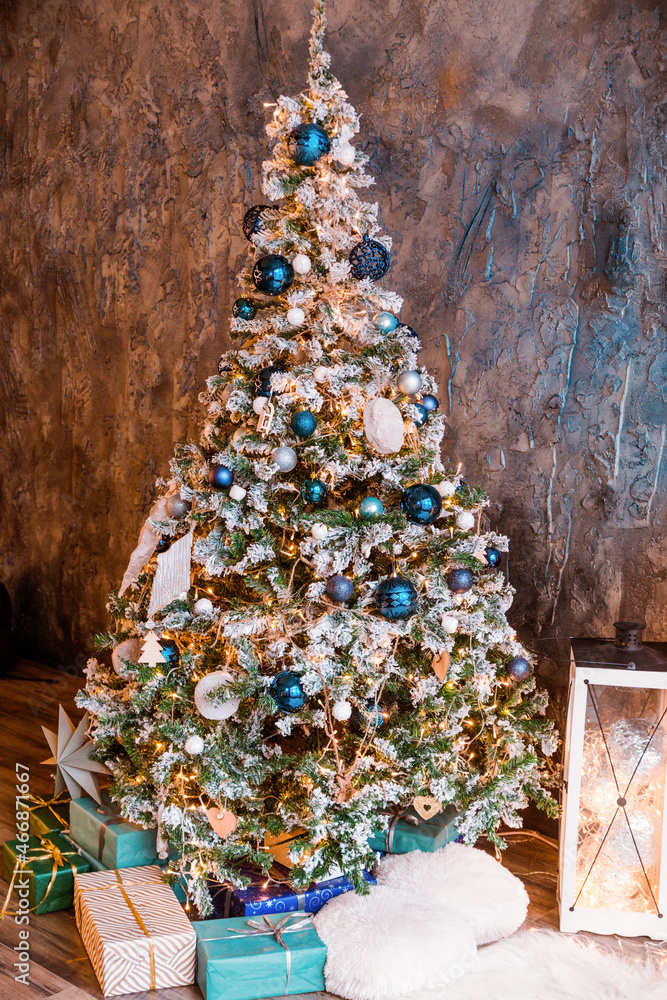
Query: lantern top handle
x,y
629,635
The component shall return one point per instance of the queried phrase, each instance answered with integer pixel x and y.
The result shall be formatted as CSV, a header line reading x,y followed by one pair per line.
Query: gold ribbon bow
x,y
256,927
57,800
49,850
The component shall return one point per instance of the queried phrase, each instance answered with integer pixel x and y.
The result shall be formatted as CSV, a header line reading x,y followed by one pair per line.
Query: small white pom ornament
x,y
321,374
301,263
342,711
383,426
295,316
203,606
194,745
450,624
345,154
210,685
465,520
259,403
319,531
236,492
446,489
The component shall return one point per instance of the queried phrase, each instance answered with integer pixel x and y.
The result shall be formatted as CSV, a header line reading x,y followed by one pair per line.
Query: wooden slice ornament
x,y
222,821
441,664
426,806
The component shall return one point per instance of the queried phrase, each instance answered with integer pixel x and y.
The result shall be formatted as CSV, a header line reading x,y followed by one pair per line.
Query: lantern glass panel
x,y
622,798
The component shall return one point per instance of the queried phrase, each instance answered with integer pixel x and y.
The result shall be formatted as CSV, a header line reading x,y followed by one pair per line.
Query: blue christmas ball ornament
x,y
272,274
163,545
369,259
422,414
263,380
408,329
386,322
429,403
286,691
244,309
220,476
307,143
460,581
371,507
303,423
171,653
518,668
252,220
492,557
313,491
396,598
421,504
372,715
339,589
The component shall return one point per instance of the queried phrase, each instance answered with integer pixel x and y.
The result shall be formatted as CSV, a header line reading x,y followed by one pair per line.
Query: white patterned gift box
x,y
134,930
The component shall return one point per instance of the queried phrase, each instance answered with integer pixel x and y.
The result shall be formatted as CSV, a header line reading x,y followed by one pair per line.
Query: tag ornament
x,y
222,821
426,806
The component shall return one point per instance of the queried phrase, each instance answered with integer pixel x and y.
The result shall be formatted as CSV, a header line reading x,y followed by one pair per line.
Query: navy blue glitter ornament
x,y
369,259
371,507
286,691
244,309
422,414
263,380
421,504
313,491
396,598
171,653
518,668
163,544
252,220
460,581
429,402
339,589
220,476
303,423
307,143
492,557
272,274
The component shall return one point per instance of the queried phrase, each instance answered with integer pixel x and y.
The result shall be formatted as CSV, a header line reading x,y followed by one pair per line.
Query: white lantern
x,y
613,839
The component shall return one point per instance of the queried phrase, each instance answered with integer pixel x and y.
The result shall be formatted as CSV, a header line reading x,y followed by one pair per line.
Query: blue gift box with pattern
x,y
267,896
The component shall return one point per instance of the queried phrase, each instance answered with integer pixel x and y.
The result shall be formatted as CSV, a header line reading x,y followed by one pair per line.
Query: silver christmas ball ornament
x,y
409,382
284,457
177,507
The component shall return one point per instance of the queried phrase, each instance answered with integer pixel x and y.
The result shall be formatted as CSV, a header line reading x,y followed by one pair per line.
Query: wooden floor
x,y
59,966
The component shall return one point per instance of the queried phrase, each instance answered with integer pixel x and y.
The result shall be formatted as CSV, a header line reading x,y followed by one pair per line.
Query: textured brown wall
x,y
520,154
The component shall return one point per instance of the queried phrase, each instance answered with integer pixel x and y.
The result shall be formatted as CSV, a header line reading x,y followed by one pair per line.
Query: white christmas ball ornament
x,y
259,403
465,520
409,382
295,316
321,374
319,531
450,624
342,711
210,685
203,606
284,457
383,426
236,492
301,263
194,745
446,489
345,154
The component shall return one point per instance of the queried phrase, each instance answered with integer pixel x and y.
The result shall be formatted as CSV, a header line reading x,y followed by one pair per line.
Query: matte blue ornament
x,y
421,504
371,507
429,403
272,274
263,380
220,476
307,143
422,414
339,589
244,309
518,668
303,423
386,322
408,329
369,259
396,598
171,653
492,557
371,715
163,544
313,491
286,691
460,581
252,220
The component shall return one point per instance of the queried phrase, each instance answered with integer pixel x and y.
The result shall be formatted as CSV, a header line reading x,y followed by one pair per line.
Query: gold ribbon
x,y
41,803
49,850
137,916
256,927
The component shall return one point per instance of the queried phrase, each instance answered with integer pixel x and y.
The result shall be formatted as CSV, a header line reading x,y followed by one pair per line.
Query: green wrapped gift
x,y
407,831
241,959
102,831
48,816
47,871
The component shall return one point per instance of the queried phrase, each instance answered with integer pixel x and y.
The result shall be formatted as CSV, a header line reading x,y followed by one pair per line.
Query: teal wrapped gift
x,y
406,831
241,959
101,831
46,869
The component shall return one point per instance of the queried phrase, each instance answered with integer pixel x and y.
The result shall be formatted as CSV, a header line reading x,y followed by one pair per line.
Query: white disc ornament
x,y
301,263
409,382
204,606
259,403
345,154
342,711
284,457
236,492
319,531
465,520
194,745
450,624
446,489
206,688
383,426
295,316
321,374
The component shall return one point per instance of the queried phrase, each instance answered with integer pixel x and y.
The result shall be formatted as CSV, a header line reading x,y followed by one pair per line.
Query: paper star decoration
x,y
71,755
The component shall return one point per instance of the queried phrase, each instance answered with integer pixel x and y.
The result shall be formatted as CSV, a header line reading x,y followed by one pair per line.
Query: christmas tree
x,y
343,647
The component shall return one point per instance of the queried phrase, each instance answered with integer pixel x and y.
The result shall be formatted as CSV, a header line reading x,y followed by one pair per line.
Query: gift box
x,y
407,831
46,869
101,831
93,864
134,930
48,816
179,886
239,959
275,897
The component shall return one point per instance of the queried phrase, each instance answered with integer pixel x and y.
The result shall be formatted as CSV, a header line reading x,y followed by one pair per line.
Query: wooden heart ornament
x,y
426,806
441,664
222,821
